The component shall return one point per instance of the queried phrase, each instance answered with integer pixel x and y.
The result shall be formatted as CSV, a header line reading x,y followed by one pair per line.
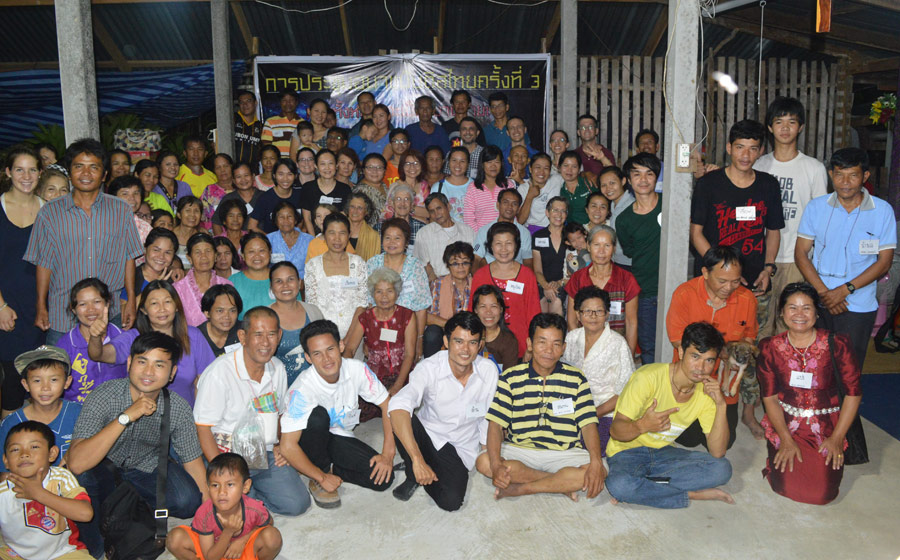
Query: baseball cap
x,y
41,353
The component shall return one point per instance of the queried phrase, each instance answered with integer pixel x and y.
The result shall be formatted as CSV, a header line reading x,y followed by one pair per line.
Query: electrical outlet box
x,y
683,158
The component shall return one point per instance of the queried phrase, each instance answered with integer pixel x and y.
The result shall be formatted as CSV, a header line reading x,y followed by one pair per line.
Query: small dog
x,y
735,358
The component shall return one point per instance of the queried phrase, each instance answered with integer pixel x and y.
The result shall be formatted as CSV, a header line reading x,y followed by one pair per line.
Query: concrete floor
x,y
861,524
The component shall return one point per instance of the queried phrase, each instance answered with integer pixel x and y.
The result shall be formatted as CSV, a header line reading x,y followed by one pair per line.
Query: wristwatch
x,y
774,268
124,419
850,287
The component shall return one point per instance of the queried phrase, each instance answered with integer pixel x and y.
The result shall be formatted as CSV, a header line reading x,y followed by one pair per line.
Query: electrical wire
x,y
294,10
518,4
411,18
762,16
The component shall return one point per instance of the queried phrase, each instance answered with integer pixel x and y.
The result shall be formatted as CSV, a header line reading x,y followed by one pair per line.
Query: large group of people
x,y
483,300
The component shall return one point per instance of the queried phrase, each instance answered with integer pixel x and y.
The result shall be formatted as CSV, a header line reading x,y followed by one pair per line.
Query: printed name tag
x,y
476,410
232,347
615,308
248,207
801,379
277,258
514,287
326,200
542,242
745,213
868,246
351,417
563,406
388,335
350,283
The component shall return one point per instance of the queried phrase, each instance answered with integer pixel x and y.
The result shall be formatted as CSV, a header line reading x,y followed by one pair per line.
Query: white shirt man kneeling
x,y
251,377
453,390
323,408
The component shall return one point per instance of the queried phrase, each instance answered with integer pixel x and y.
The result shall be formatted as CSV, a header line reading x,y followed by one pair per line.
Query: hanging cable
x,y
411,18
762,16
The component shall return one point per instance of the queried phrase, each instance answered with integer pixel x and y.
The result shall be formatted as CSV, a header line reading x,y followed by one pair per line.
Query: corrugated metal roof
x,y
181,30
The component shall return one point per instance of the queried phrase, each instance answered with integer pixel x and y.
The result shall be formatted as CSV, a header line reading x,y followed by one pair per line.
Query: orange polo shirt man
x,y
718,298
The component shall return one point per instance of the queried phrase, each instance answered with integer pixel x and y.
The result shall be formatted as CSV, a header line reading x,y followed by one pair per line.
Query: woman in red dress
x,y
518,283
389,333
805,422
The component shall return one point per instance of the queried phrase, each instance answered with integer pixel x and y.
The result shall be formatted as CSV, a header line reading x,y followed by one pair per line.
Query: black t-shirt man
x,y
736,216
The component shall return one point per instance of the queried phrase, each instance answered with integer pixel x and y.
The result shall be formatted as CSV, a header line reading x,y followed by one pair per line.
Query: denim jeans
x,y
280,488
54,336
182,495
432,340
647,328
687,471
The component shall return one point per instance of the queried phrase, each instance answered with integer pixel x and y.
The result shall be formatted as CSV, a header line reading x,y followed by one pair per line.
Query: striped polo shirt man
x,y
524,406
74,245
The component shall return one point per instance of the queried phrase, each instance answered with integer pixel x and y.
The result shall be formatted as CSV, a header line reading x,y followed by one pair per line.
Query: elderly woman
x,y
415,294
202,276
402,197
288,242
336,280
805,420
318,246
363,238
601,353
233,215
372,185
450,294
621,286
412,172
293,315
612,184
228,261
390,334
516,281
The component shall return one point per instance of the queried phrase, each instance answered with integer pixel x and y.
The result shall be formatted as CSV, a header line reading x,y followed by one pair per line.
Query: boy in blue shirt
x,y
45,375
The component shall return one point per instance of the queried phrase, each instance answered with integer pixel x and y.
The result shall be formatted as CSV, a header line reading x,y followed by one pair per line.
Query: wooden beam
x,y
104,64
891,5
109,44
659,30
883,65
776,19
241,20
823,16
787,37
442,24
552,28
715,50
345,27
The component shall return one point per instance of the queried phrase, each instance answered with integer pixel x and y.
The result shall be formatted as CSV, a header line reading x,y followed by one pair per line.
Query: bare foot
x,y
508,492
711,494
755,427
613,501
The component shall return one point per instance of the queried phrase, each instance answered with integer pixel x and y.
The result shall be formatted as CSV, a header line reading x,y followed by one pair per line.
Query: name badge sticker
x,y
868,246
351,417
350,283
277,258
615,308
514,287
745,213
801,379
562,407
388,335
326,200
232,347
248,208
476,410
542,242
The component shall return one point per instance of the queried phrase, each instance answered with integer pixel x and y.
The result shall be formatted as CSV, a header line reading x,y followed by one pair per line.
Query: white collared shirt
x,y
225,391
608,365
433,239
449,412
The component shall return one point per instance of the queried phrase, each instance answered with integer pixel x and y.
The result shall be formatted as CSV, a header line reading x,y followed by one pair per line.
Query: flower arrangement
x,y
883,109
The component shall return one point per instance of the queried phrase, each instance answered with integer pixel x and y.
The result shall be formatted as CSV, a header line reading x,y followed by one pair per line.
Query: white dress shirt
x,y
433,239
449,412
607,366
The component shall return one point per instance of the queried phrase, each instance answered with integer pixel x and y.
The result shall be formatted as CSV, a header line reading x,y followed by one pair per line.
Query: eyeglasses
x,y
306,160
593,312
462,263
411,163
399,141
587,127
559,140
374,168
558,211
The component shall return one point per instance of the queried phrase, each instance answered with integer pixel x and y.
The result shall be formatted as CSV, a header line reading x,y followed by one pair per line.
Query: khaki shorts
x,y
7,553
545,460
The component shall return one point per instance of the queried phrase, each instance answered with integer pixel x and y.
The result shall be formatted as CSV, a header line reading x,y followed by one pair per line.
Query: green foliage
x,y
174,142
52,134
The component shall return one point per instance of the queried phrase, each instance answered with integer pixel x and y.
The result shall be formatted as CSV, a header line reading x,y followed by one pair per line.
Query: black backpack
x,y
130,529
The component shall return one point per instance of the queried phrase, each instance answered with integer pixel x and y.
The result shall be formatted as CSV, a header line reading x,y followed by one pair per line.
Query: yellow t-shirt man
x,y
652,382
198,183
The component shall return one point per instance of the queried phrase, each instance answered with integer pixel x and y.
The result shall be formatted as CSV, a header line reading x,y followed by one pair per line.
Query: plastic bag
x,y
249,439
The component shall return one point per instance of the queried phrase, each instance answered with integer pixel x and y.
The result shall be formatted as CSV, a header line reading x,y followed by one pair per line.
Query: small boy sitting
x,y
367,133
38,503
45,375
230,524
305,133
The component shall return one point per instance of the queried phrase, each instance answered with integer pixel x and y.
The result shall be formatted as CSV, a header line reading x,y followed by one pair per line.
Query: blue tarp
x,y
165,98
